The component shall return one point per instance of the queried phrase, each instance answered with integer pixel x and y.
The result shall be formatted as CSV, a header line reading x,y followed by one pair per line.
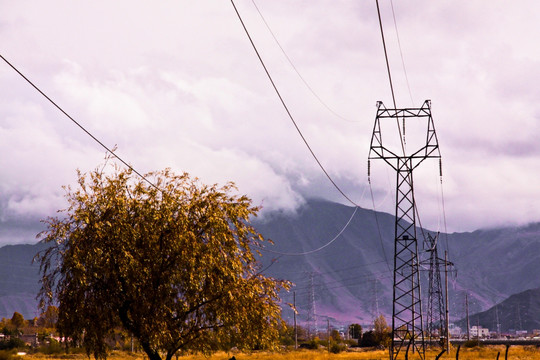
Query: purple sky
x,y
176,84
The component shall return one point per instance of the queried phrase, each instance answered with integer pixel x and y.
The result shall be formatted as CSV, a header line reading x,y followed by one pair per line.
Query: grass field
x,y
485,352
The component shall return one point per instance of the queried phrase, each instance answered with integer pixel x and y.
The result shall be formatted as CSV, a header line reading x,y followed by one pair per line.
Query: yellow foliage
x,y
170,262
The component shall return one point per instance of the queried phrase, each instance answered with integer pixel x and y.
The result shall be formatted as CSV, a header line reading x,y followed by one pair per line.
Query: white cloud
x,y
176,84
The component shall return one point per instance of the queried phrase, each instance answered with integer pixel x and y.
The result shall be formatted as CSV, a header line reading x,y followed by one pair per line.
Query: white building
x,y
479,332
455,331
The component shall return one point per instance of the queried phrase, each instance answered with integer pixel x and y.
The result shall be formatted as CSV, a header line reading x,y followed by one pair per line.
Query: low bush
x,y
312,344
369,340
7,354
336,348
53,347
12,343
471,343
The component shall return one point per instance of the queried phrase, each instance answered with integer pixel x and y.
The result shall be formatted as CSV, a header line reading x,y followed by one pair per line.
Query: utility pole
x,y
407,323
519,318
447,332
498,324
467,312
312,316
328,332
295,326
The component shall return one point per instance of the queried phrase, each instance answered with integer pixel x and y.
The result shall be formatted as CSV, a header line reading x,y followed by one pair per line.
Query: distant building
x,y
479,332
455,331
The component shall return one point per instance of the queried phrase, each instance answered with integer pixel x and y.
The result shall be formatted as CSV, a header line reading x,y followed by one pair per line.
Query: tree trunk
x,y
152,354
170,354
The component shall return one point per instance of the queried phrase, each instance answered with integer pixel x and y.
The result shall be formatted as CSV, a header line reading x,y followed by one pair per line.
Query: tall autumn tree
x,y
17,320
171,262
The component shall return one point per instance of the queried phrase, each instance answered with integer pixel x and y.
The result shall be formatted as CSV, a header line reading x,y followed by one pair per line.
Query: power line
x,y
342,269
378,226
401,52
444,212
319,248
370,277
287,109
349,285
326,244
389,75
296,70
80,126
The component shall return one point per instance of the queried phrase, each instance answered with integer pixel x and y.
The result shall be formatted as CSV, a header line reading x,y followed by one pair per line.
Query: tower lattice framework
x,y
407,324
435,309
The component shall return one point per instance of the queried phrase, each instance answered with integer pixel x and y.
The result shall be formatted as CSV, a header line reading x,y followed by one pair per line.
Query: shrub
x,y
12,343
6,354
312,344
52,348
369,340
336,348
471,343
352,342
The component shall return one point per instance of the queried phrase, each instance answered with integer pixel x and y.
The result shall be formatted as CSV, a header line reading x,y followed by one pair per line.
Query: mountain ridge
x,y
520,311
350,280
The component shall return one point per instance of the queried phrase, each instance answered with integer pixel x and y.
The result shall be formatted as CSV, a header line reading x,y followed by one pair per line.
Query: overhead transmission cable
x,y
321,247
287,108
401,52
79,125
348,268
325,245
303,139
378,227
363,277
296,70
350,285
389,76
444,214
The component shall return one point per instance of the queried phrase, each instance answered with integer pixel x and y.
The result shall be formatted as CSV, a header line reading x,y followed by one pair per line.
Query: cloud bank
x,y
176,84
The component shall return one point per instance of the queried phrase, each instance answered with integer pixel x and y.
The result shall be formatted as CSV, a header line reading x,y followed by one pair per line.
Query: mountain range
x,y
518,312
352,277
345,275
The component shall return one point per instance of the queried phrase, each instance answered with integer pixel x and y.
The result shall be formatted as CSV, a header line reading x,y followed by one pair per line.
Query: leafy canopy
x,y
171,264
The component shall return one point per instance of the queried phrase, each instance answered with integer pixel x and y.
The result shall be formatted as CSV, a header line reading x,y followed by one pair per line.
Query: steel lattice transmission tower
x,y
435,309
407,325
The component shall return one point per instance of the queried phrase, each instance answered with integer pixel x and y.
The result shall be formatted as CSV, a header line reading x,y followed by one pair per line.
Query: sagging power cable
x,y
287,108
298,72
110,151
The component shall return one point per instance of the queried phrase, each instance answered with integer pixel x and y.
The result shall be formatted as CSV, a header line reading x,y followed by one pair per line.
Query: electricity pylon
x,y
312,314
407,326
436,309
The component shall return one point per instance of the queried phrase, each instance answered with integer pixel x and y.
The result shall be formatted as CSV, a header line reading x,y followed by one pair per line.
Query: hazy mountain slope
x,y
518,312
350,279
350,276
19,280
494,264
491,264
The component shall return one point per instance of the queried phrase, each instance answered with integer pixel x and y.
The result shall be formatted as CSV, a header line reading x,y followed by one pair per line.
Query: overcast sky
x,y
176,84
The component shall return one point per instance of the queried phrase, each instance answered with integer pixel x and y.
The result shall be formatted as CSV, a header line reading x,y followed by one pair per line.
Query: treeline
x,y
18,334
378,337
40,335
